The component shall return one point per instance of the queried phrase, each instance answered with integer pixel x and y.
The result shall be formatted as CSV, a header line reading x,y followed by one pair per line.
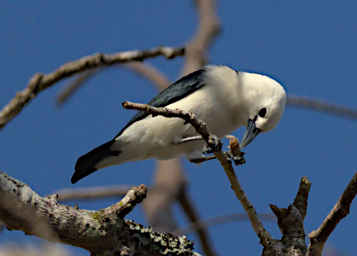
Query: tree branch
x,y
215,144
207,30
264,236
149,72
341,209
93,193
102,232
144,70
167,185
291,224
74,86
209,27
235,217
202,233
96,193
40,82
322,106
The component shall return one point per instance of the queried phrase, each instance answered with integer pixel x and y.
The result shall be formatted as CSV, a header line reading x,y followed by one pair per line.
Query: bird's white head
x,y
266,100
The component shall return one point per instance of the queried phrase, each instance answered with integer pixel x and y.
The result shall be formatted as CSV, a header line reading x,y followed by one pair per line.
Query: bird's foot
x,y
202,159
214,144
238,160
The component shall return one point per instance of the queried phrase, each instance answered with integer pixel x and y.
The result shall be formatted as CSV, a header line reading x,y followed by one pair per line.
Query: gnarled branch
x,y
102,232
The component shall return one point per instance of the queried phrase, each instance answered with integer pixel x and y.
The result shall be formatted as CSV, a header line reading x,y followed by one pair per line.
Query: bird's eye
x,y
262,112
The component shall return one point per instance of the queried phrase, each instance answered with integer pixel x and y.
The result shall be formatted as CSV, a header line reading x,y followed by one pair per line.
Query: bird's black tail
x,y
86,164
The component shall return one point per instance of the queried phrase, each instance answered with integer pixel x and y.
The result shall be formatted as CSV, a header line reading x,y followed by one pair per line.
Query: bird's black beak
x,y
251,132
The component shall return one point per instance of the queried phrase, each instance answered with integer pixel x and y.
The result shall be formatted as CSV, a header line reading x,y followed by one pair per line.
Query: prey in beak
x,y
251,132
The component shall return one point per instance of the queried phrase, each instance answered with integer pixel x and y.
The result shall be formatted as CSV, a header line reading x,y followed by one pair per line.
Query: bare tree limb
x,y
102,232
207,30
341,209
189,209
74,86
40,82
158,208
144,70
322,106
209,27
48,249
262,233
153,75
291,224
215,144
96,193
149,72
92,193
235,217
158,204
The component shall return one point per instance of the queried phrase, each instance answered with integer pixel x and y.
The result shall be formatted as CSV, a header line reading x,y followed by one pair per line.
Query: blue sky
x,y
310,46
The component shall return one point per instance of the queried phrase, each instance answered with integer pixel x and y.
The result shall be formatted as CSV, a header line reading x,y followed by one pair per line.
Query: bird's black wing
x,y
176,91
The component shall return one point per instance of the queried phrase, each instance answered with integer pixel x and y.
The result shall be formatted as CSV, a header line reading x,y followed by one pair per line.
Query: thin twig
x,y
140,68
236,217
202,233
212,142
74,85
200,126
149,72
258,227
168,183
93,193
40,82
341,209
322,106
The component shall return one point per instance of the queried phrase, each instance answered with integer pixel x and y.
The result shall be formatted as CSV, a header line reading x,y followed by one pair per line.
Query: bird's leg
x,y
234,154
189,139
207,151
238,160
201,159
214,140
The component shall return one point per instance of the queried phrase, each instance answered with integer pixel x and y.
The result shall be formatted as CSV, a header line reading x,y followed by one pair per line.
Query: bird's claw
x,y
238,159
214,144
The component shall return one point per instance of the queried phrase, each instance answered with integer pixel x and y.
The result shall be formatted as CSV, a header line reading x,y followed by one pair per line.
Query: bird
x,y
224,98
